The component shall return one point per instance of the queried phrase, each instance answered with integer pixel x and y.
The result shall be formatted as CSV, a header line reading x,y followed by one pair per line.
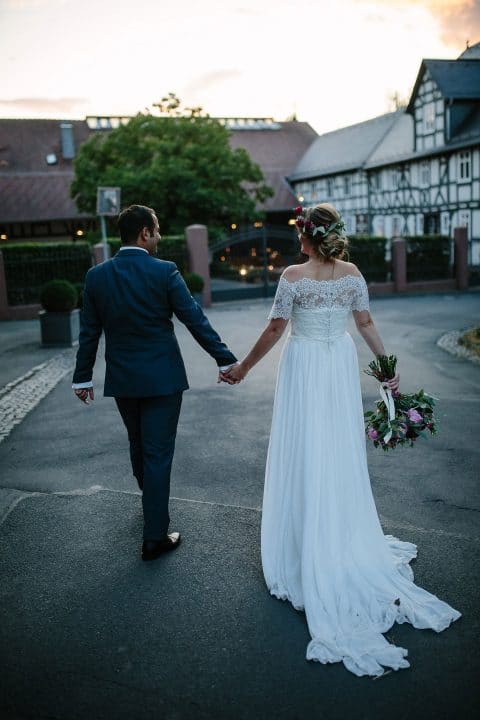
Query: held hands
x,y
84,394
233,375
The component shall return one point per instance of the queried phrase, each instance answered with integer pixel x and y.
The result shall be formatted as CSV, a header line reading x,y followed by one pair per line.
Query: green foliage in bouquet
x,y
414,415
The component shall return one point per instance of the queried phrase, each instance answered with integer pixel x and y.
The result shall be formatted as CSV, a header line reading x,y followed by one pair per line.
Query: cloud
x,y
201,89
43,106
459,20
212,79
32,4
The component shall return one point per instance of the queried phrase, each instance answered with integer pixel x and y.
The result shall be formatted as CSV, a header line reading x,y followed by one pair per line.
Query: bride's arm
x,y
367,329
272,333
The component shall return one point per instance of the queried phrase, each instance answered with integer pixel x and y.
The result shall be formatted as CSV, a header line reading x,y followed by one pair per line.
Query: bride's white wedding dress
x,y
323,548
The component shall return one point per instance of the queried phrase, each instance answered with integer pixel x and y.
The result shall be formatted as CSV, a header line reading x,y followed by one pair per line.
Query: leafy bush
x,y
224,270
368,252
171,247
79,287
58,296
195,282
28,266
428,257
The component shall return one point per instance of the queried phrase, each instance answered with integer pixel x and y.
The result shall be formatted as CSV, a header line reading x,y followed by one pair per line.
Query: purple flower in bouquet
x,y
372,434
414,415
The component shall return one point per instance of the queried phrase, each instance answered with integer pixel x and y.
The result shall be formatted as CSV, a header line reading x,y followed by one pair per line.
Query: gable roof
x,y
277,151
345,149
456,79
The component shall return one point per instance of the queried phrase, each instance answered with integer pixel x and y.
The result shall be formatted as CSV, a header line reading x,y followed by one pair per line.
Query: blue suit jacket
x,y
132,298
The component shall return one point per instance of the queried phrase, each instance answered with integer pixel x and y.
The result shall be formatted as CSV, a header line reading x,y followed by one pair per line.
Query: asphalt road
x,y
88,630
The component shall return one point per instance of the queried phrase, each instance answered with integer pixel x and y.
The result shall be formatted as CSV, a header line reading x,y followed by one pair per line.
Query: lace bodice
x,y
319,309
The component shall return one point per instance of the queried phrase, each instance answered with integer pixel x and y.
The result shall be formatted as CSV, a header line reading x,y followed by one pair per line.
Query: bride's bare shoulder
x,y
347,268
293,272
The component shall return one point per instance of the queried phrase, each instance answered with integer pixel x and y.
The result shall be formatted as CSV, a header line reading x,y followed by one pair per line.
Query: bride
x,y
322,545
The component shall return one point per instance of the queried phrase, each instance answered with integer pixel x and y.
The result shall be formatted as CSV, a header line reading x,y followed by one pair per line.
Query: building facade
x,y
36,170
412,172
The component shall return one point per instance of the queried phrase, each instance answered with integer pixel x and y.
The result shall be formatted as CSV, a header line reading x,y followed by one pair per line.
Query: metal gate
x,y
268,238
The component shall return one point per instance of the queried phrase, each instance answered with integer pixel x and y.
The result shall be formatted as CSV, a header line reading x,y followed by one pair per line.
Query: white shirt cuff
x,y
224,368
79,386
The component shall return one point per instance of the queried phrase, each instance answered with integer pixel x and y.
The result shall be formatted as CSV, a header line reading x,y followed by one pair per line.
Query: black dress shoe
x,y
152,549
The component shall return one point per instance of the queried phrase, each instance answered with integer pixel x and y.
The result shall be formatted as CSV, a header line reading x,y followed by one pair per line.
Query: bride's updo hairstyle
x,y
323,227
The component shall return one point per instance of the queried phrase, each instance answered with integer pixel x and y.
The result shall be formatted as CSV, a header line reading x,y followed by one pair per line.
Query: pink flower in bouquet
x,y
372,434
414,415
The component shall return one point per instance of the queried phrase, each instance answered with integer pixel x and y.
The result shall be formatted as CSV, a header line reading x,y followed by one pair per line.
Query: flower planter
x,y
59,329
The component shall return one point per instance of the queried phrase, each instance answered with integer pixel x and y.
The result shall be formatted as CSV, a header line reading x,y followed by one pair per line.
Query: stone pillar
x,y
399,264
97,251
197,248
4,307
460,237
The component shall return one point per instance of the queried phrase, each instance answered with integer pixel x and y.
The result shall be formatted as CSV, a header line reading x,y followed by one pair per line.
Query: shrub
x,y
172,247
368,252
28,266
79,287
194,282
428,257
58,296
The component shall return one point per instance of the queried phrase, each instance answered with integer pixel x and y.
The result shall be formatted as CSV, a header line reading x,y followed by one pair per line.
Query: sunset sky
x,y
332,63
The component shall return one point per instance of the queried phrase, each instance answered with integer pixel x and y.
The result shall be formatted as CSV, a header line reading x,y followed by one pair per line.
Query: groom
x,y
132,298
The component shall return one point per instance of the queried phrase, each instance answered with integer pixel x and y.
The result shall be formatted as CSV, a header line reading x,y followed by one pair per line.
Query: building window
x,y
425,174
464,220
396,225
361,224
429,118
395,178
330,187
377,181
431,223
464,166
350,224
347,185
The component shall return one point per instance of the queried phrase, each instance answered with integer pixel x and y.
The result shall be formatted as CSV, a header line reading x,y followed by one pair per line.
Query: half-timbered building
x,y
414,171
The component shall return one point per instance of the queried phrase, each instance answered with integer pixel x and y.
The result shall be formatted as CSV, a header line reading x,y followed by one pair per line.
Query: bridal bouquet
x,y
399,419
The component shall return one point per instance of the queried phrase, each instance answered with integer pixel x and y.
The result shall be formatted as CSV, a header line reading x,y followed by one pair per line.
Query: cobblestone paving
x,y
449,342
19,397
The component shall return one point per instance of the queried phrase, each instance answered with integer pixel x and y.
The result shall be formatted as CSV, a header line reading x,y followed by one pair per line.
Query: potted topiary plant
x,y
195,284
60,318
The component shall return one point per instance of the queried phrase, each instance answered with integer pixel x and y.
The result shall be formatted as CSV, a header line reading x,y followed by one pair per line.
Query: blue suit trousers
x,y
151,424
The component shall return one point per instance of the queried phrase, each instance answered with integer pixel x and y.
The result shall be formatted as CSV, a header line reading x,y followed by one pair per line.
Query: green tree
x,y
179,163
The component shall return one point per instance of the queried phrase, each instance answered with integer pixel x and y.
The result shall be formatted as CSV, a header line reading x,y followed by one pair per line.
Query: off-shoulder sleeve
x,y
283,302
360,299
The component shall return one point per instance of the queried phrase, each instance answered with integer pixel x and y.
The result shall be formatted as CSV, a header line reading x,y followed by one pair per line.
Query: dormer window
x,y
67,141
429,118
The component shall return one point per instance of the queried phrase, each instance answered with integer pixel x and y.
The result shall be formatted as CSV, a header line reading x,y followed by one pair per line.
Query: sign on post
x,y
108,205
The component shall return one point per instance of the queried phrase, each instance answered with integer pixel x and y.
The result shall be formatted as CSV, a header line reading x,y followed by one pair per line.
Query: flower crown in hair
x,y
307,226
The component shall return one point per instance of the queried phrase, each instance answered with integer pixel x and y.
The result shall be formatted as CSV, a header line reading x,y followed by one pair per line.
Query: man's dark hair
x,y
132,220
